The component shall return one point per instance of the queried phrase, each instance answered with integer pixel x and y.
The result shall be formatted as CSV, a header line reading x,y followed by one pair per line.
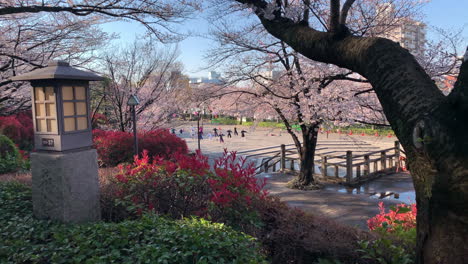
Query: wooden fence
x,y
349,167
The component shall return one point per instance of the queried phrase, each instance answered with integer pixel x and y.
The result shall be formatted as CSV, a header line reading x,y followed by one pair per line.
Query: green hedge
x,y
224,121
151,239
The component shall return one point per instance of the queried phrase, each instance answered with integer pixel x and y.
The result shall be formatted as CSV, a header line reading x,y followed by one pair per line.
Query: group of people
x,y
217,133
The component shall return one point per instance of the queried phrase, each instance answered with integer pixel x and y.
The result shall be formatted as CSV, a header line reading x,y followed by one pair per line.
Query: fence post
x,y
366,165
336,171
265,166
292,165
283,158
324,166
397,153
349,166
383,157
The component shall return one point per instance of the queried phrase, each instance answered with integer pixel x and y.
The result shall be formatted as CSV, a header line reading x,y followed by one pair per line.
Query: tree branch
x,y
334,22
345,10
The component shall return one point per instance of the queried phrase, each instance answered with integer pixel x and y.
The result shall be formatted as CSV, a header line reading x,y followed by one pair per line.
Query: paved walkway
x,y
352,206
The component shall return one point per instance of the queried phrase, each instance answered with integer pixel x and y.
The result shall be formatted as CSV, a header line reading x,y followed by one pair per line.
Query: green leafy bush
x,y
151,239
10,158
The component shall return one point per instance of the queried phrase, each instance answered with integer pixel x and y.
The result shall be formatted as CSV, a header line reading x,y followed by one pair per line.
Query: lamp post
x,y
65,184
197,113
132,102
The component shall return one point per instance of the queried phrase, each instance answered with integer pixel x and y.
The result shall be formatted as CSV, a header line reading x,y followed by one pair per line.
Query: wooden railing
x,y
347,167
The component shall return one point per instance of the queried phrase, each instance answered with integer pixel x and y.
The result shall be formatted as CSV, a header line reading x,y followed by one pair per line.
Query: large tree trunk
x,y
307,154
431,127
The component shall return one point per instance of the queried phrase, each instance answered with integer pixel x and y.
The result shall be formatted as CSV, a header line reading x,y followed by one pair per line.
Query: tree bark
x,y
307,154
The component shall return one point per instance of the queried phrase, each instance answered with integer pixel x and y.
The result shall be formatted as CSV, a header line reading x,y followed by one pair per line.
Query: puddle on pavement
x,y
405,195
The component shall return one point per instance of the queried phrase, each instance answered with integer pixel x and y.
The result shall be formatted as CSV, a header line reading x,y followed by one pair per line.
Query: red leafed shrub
x,y
115,147
233,180
402,215
19,128
160,142
185,185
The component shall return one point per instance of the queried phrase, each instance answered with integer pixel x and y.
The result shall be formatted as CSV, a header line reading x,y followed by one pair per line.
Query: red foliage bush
x,y
115,147
19,128
184,186
160,142
402,215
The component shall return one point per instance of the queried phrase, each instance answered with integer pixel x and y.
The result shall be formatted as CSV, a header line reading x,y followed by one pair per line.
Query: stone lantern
x,y
64,168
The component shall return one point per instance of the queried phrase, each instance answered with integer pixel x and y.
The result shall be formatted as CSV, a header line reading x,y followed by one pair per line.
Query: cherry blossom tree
x,y
430,126
150,73
299,91
34,32
29,42
158,16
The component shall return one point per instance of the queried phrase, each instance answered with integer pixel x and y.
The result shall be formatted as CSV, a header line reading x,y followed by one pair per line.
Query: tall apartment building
x,y
411,34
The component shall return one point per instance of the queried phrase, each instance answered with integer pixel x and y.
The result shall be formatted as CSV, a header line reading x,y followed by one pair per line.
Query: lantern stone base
x,y
65,186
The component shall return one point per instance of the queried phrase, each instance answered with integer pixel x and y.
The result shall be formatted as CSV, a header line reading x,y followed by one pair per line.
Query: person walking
x,y
243,132
235,131
215,132
173,131
221,139
229,133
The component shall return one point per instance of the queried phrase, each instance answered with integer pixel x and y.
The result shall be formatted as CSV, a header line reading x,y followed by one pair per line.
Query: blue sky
x,y
446,14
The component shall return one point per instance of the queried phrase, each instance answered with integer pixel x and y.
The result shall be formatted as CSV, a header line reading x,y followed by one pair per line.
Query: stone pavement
x,y
341,204
264,137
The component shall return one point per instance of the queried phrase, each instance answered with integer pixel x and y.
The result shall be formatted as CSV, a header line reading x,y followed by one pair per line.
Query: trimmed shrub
x,y
10,158
19,128
115,147
185,186
150,239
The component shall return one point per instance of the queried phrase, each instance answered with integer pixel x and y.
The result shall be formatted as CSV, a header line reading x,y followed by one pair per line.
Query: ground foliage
x,y
150,239
228,193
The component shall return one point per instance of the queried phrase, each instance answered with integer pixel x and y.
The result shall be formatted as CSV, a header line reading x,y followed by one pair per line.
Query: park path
x,y
353,206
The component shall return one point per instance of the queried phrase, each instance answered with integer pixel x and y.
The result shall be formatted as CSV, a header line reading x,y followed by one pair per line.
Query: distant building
x,y
411,34
213,78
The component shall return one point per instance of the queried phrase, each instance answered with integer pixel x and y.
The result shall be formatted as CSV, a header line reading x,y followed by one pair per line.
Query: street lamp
x,y
64,170
132,102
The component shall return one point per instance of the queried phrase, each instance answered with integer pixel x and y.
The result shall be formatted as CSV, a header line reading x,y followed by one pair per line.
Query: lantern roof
x,y
58,70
